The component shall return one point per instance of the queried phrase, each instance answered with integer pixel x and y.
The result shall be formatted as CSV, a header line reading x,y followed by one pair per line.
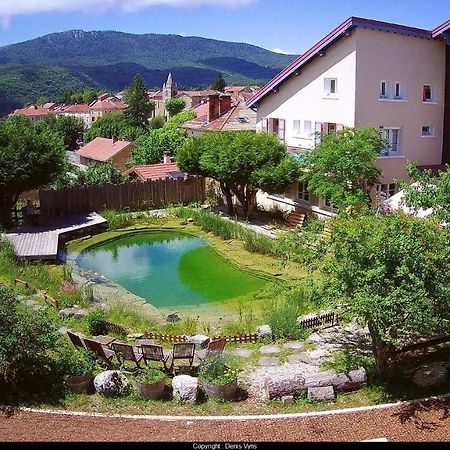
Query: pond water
x,y
169,269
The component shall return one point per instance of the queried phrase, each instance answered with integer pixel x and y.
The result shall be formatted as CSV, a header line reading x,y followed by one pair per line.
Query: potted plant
x,y
78,367
218,377
150,382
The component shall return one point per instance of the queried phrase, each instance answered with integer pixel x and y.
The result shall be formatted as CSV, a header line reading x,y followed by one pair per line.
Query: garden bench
x,y
154,352
183,351
98,350
76,340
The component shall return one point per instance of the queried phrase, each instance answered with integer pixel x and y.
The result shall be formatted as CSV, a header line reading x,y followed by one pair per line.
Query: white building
x,y
364,73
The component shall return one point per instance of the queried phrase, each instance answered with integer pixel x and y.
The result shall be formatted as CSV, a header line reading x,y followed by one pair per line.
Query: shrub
x,y
281,315
116,219
218,370
149,375
96,323
71,361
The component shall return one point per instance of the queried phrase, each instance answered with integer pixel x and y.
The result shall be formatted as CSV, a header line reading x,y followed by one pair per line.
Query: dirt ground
x,y
425,421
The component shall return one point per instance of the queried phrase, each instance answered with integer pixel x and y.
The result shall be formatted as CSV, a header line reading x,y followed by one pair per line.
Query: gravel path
x,y
426,421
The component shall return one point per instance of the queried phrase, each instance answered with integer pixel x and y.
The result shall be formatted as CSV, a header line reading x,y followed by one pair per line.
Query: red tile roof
x,y
31,111
80,108
107,105
154,171
103,149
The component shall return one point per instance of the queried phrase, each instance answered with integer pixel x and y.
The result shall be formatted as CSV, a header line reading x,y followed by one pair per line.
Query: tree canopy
x,y
242,162
29,158
219,83
113,125
342,168
174,106
393,272
69,128
139,106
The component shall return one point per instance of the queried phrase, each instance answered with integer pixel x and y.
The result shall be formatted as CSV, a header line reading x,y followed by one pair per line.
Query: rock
x,y
269,362
283,384
242,353
294,345
431,376
264,331
190,220
287,399
135,336
320,379
315,337
358,378
321,394
270,350
173,318
185,388
110,382
199,339
73,312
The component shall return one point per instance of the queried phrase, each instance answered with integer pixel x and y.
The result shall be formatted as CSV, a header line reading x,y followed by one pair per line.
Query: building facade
x,y
364,73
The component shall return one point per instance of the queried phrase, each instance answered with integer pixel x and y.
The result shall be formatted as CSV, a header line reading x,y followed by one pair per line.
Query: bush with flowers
x,y
217,369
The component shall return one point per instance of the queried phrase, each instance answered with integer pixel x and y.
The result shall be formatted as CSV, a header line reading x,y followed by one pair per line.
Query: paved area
x,y
425,421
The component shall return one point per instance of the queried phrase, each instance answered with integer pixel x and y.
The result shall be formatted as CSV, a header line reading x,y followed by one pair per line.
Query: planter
x,y
150,390
80,384
224,391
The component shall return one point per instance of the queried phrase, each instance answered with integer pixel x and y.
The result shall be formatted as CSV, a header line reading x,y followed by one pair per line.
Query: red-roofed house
x,y
105,150
34,113
81,110
167,170
105,104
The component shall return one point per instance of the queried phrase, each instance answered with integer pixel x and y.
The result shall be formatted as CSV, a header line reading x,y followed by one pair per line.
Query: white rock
x,y
320,394
320,379
283,384
185,388
264,331
110,382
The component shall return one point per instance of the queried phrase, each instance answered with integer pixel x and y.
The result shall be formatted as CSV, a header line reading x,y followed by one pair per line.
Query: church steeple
x,y
169,88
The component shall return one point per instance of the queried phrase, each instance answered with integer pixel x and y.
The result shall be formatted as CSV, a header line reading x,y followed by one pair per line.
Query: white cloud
x,y
10,8
281,51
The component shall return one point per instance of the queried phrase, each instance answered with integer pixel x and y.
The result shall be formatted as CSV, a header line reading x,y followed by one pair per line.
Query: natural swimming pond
x,y
169,269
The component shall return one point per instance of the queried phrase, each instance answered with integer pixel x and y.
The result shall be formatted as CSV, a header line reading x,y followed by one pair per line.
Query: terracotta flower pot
x,y
224,391
150,390
80,384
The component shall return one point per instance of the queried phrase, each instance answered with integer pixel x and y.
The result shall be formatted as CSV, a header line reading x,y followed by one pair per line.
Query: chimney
x,y
167,158
225,103
213,106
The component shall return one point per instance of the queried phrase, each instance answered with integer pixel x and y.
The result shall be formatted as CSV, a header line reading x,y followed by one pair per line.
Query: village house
x,y
105,150
364,73
167,170
105,104
34,113
81,111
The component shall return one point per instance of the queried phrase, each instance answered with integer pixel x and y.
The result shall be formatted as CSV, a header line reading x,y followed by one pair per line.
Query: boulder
x,y
73,312
110,382
283,384
199,339
321,394
174,317
264,331
320,379
287,399
431,376
185,388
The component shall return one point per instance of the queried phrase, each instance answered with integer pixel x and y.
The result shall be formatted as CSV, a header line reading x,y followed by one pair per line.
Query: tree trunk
x,y
228,197
6,206
382,351
247,199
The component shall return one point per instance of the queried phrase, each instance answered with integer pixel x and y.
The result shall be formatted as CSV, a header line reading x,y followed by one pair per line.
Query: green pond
x,y
169,269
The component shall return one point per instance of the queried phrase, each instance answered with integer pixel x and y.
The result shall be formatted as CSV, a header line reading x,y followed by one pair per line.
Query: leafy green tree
x,y
113,125
157,122
29,158
219,83
89,96
180,118
69,128
342,168
139,106
152,146
393,272
242,163
174,106
429,191
42,101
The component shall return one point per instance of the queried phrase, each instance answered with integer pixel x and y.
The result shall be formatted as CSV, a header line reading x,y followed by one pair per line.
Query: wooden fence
x,y
161,337
241,338
133,196
320,320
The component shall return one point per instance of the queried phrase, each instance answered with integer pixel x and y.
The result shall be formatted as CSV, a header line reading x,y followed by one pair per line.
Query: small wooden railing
x,y
161,337
321,320
47,297
241,338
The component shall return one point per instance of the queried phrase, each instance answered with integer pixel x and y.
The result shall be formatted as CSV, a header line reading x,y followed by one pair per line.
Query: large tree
x,y
393,272
29,158
242,162
139,106
113,125
342,168
69,128
174,106
219,83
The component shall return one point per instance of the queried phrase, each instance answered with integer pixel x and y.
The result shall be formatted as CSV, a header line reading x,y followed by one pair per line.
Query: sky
x,y
289,26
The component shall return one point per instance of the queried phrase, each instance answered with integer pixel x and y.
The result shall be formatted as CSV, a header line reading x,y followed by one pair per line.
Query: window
x,y
297,127
384,89
427,93
243,120
398,91
328,205
303,193
393,137
307,128
427,130
330,87
387,190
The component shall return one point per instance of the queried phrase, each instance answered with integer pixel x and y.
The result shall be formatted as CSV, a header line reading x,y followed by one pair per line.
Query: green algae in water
x,y
169,269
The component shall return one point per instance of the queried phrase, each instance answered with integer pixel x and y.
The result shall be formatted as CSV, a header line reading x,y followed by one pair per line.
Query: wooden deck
x,y
41,242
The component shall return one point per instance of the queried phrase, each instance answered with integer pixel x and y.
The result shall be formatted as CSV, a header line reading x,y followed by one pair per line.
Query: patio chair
x,y
98,350
76,340
152,352
215,346
182,351
126,352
